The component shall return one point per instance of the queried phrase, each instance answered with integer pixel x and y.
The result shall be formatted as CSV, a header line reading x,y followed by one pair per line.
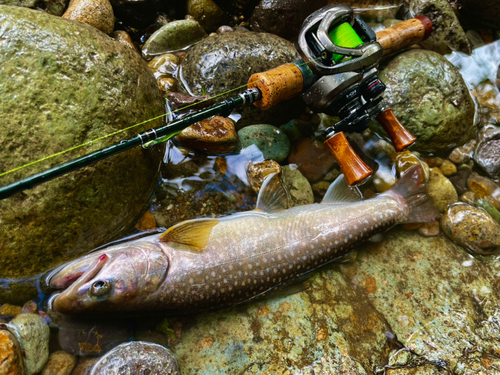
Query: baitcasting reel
x,y
344,53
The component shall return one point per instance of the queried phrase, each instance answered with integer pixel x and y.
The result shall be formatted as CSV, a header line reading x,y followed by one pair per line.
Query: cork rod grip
x,y
354,169
277,85
400,137
404,34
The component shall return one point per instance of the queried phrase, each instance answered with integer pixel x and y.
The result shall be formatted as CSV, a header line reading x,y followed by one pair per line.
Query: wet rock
x,y
297,185
164,66
65,97
482,186
283,17
178,100
224,29
96,13
488,206
32,333
297,129
60,363
167,85
472,228
429,229
91,337
147,221
372,10
123,37
448,168
469,197
427,369
430,98
29,307
54,7
226,61
9,310
320,188
237,7
272,142
405,160
11,360
208,14
84,366
463,154
459,181
258,171
173,36
478,13
137,358
487,154
441,190
312,158
447,33
216,135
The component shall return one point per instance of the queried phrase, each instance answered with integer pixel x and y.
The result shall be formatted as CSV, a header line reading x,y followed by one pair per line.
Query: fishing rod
x,y
337,75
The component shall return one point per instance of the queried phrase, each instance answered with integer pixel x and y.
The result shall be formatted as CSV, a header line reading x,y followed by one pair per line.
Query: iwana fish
x,y
216,262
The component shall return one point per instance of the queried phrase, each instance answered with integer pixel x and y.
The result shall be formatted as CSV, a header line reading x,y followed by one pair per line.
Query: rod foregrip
x,y
354,169
277,85
404,34
400,137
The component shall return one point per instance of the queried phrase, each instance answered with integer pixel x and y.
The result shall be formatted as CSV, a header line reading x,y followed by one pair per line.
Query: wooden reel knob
x,y
400,137
354,169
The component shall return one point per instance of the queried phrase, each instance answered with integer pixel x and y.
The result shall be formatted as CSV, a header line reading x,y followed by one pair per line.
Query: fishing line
x,y
89,143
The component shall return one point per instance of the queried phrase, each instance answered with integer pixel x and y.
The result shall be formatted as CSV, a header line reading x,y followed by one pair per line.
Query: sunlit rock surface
x,y
427,295
63,83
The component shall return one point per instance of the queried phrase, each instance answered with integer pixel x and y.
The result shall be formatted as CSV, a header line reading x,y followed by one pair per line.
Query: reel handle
x,y
404,34
400,137
354,169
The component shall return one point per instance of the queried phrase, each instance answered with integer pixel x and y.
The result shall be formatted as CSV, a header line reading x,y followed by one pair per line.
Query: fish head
x,y
109,280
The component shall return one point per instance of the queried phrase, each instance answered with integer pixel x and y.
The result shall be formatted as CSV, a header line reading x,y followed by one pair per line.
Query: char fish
x,y
216,262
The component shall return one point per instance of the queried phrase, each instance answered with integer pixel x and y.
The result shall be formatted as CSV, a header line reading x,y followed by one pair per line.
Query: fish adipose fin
x,y
412,189
272,196
194,233
340,192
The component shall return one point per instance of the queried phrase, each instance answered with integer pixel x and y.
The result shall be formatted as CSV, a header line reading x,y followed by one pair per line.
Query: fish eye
x,y
100,288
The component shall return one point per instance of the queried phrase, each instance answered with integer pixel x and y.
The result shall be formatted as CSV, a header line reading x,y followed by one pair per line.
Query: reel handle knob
x,y
353,167
400,137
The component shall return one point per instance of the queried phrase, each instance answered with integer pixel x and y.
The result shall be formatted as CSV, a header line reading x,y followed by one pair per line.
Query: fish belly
x,y
249,255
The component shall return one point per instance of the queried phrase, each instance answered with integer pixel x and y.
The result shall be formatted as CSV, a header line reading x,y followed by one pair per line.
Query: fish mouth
x,y
73,279
66,274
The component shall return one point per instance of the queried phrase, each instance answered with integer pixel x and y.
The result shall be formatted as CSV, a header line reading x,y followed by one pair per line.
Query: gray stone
x,y
487,154
447,33
172,37
228,60
430,98
283,17
297,186
74,89
271,141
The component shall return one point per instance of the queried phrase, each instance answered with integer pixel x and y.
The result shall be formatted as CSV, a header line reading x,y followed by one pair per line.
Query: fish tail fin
x,y
412,189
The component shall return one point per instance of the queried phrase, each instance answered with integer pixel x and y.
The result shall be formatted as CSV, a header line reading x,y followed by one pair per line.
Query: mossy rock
x,y
62,84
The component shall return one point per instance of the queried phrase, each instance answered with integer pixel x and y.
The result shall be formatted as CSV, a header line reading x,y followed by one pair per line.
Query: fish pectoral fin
x,y
194,233
272,196
340,192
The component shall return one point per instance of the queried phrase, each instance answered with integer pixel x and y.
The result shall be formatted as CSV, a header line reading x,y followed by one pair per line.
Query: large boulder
x,y
62,84
423,296
226,61
430,98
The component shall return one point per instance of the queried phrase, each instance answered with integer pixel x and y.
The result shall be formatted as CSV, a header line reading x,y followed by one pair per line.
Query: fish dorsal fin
x,y
273,195
340,192
193,233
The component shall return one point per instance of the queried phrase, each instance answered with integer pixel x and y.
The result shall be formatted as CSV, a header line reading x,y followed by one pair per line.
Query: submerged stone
x,y
11,360
430,98
60,363
79,86
298,187
271,141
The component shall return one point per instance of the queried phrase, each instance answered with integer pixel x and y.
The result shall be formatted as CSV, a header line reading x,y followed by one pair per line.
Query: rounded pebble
x,y
137,358
297,185
448,168
164,66
472,228
441,190
96,13
124,38
258,171
271,141
10,354
312,158
60,363
429,229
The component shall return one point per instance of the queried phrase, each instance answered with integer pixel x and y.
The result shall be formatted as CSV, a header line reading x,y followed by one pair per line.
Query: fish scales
x,y
249,255
209,262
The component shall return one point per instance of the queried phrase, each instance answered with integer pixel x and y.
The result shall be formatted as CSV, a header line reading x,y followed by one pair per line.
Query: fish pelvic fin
x,y
273,195
412,189
194,233
340,192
